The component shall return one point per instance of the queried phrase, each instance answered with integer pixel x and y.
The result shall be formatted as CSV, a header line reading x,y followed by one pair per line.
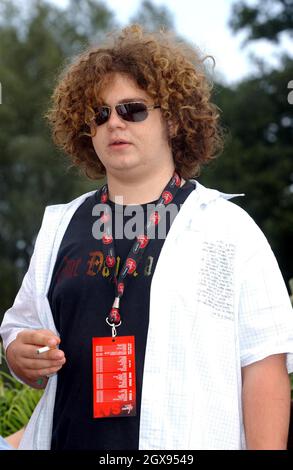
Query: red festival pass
x,y
114,389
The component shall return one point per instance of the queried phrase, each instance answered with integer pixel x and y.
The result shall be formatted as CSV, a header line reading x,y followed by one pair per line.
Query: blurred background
x,y
253,47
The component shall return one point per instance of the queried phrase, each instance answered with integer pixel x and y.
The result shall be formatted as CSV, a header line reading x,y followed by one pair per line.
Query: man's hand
x,y
27,364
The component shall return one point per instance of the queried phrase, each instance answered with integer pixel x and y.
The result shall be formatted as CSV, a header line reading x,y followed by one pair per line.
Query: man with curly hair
x,y
168,332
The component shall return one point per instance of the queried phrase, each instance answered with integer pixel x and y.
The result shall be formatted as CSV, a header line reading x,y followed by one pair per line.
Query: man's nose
x,y
115,120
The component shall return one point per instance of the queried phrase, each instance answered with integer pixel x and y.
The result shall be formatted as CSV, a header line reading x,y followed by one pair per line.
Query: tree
x,y
265,20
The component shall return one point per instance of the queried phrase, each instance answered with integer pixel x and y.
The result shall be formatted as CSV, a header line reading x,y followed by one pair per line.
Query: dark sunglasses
x,y
134,111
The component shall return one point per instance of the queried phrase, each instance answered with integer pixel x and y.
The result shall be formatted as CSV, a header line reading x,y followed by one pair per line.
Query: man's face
x,y
131,150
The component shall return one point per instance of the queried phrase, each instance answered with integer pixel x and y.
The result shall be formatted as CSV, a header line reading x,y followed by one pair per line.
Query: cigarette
x,y
43,350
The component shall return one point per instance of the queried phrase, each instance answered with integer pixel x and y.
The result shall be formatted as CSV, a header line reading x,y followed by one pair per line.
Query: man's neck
x,y
138,191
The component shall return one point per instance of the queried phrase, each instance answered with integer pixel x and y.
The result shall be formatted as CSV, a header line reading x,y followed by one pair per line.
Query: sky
x,y
205,24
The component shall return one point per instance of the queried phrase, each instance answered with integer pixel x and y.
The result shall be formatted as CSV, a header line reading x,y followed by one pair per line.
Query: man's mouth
x,y
119,143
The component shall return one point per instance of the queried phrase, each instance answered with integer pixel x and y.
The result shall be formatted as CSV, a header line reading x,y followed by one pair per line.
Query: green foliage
x,y
266,19
153,17
17,403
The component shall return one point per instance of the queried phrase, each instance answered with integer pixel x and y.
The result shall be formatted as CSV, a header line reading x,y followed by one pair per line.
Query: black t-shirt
x,y
81,296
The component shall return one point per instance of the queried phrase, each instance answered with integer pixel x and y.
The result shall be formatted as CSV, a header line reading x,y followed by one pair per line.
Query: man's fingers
x,y
39,337
31,352
40,365
49,371
32,374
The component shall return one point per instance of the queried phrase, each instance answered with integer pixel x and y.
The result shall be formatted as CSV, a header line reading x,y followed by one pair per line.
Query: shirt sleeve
x,y
265,311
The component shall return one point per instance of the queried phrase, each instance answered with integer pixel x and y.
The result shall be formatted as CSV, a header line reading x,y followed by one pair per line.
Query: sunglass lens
x,y
102,115
133,112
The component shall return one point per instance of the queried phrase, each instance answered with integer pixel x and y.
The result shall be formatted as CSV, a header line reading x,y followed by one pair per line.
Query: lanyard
x,y
136,252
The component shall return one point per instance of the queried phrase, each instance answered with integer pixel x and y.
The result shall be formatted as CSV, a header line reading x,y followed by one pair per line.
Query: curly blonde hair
x,y
172,73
